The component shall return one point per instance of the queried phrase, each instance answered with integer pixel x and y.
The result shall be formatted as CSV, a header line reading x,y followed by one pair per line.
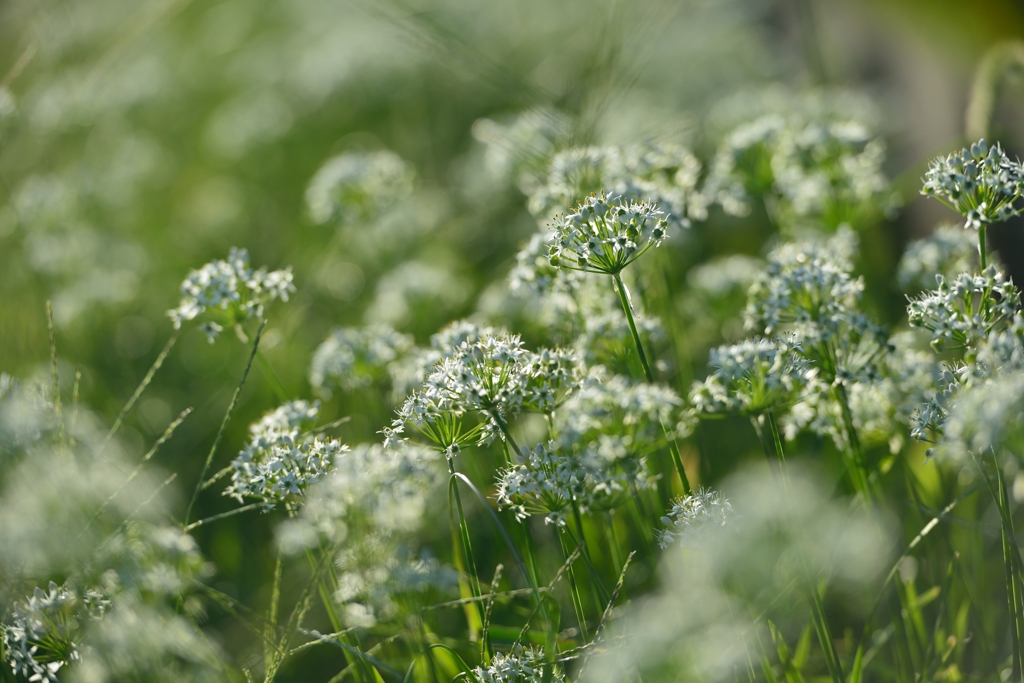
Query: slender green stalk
x,y
1013,583
223,424
827,642
472,611
627,309
595,577
531,559
982,247
577,602
855,455
161,357
61,434
275,382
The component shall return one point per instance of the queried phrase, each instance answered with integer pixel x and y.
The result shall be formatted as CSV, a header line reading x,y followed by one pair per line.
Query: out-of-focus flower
x,y
229,293
355,357
694,516
751,377
949,251
358,186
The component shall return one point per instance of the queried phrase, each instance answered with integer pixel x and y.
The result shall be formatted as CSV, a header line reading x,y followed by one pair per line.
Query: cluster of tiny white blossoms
x,y
495,376
982,184
948,251
229,292
355,357
662,172
42,632
549,480
357,186
830,171
961,313
751,377
693,516
520,665
281,459
604,234
807,287
387,489
631,412
381,580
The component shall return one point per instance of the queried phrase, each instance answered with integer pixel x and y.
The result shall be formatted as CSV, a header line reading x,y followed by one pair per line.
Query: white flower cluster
x,y
549,480
605,234
825,171
358,186
355,357
520,149
387,489
964,312
751,377
380,580
281,460
632,413
694,516
948,251
662,172
495,376
982,184
43,630
229,292
521,665
807,288
534,274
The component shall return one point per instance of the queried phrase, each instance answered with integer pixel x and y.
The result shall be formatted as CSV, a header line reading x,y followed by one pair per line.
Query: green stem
x,y
275,382
577,602
620,287
224,422
855,455
531,558
602,593
472,613
982,248
1013,584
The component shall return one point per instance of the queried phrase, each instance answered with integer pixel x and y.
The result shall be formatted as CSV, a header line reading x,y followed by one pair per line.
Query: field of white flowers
x,y
421,342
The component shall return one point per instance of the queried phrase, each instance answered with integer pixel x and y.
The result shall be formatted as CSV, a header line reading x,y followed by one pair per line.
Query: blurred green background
x,y
140,139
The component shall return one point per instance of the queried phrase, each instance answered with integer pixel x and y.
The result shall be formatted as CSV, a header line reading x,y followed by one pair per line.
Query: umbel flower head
x,y
229,293
964,312
751,377
548,480
357,186
281,460
693,516
605,234
43,630
355,357
982,184
521,665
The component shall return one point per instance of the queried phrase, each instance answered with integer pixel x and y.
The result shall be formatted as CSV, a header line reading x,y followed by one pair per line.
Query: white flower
x,y
605,234
950,250
980,183
521,665
961,313
694,516
751,377
355,357
357,186
229,292
281,460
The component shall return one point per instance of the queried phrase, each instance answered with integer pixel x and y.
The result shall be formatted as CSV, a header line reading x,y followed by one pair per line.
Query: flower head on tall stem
x,y
605,234
981,183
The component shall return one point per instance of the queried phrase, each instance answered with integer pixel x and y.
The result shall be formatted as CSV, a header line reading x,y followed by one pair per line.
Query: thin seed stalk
x,y
673,448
